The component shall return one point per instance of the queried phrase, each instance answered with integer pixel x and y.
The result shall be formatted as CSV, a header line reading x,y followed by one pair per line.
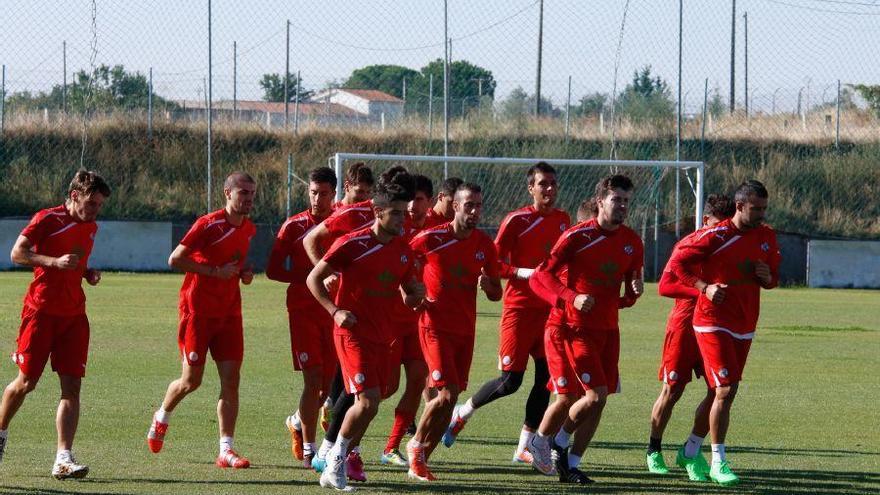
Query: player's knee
x,y
510,382
190,384
24,384
673,392
725,393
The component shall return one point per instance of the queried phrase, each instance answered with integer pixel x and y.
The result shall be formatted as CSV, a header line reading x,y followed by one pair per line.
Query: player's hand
x,y
67,262
344,319
484,283
92,276
584,302
638,286
247,274
331,283
716,292
762,271
524,273
226,271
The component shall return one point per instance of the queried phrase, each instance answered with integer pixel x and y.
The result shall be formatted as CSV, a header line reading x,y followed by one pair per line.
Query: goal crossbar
x,y
339,159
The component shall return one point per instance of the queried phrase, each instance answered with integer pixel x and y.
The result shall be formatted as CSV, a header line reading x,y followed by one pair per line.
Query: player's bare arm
x,y
313,241
23,254
180,260
315,283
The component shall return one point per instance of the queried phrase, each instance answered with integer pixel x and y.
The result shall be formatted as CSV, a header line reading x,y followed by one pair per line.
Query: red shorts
x,y
681,355
594,354
364,364
311,344
448,357
724,357
63,338
224,336
521,335
563,379
407,347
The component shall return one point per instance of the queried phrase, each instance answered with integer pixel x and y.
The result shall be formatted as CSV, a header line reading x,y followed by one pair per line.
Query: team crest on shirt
x,y
628,249
562,227
765,247
480,256
404,259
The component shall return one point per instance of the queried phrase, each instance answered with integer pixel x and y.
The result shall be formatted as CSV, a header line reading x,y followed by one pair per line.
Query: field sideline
x,y
805,419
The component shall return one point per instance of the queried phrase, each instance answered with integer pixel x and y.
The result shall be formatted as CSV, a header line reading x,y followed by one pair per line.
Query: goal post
x,y
503,180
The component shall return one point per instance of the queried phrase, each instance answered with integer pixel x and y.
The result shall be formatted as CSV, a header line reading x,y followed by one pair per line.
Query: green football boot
x,y
697,468
656,464
721,474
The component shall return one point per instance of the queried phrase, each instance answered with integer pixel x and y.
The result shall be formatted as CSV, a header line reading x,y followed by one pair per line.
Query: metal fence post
x,y
678,127
150,107
287,77
3,100
837,127
289,181
234,80
296,105
430,106
568,109
64,69
210,121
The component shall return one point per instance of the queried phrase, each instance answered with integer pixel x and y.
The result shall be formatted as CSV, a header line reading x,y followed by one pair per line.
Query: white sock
x,y
415,443
524,437
326,445
574,460
62,455
692,445
562,438
225,444
466,410
340,448
718,453
163,416
309,448
297,423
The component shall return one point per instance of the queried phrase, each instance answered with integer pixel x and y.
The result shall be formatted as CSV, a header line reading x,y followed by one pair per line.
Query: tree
x,y
466,80
386,78
871,95
273,88
110,88
646,98
591,105
515,106
717,105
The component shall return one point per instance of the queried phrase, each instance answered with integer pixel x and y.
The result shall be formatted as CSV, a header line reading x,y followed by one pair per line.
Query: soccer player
x,y
311,329
456,259
597,256
442,211
57,243
375,266
523,242
681,358
407,349
729,264
213,255
357,185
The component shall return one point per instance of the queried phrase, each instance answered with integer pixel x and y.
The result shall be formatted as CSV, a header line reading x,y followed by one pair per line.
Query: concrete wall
x,y
137,246
847,264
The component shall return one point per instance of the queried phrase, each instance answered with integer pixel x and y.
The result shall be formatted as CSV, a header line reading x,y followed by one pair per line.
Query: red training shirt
x,y
289,245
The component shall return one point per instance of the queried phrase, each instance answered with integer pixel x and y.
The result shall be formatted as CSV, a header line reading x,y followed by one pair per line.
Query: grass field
x,y
805,420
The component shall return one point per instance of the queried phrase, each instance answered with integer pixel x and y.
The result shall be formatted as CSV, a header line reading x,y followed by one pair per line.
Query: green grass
x,y
805,420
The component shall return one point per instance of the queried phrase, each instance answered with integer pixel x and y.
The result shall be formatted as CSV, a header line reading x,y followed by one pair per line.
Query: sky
x,y
794,46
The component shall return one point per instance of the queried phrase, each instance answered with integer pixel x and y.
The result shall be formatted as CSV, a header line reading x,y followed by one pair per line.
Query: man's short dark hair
x,y
469,187
323,175
236,178
357,173
749,188
542,167
88,182
424,185
450,185
617,181
399,186
388,175
720,206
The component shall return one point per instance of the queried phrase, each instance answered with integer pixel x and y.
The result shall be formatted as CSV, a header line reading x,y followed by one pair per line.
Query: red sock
x,y
402,420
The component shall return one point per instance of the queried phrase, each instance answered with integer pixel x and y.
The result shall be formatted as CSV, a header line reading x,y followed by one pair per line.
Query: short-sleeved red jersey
x,y
524,240
214,241
598,261
433,219
450,270
369,284
53,232
349,219
289,245
727,255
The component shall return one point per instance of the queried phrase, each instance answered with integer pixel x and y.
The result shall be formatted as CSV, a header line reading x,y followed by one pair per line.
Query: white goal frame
x,y
338,160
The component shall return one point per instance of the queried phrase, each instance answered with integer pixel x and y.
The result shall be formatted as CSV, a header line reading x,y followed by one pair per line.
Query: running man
x,y
681,359
729,264
57,243
311,329
375,267
213,255
456,259
523,242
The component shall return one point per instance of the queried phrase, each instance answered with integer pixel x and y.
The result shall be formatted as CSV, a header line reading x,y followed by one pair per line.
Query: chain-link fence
x,y
786,91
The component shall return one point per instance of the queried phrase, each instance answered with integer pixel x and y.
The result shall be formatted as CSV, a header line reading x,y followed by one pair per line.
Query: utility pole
x,y
446,88
234,79
208,96
733,57
540,52
746,68
287,78
64,70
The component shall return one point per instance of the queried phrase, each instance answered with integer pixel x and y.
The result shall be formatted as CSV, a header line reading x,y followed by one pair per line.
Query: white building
x,y
371,103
